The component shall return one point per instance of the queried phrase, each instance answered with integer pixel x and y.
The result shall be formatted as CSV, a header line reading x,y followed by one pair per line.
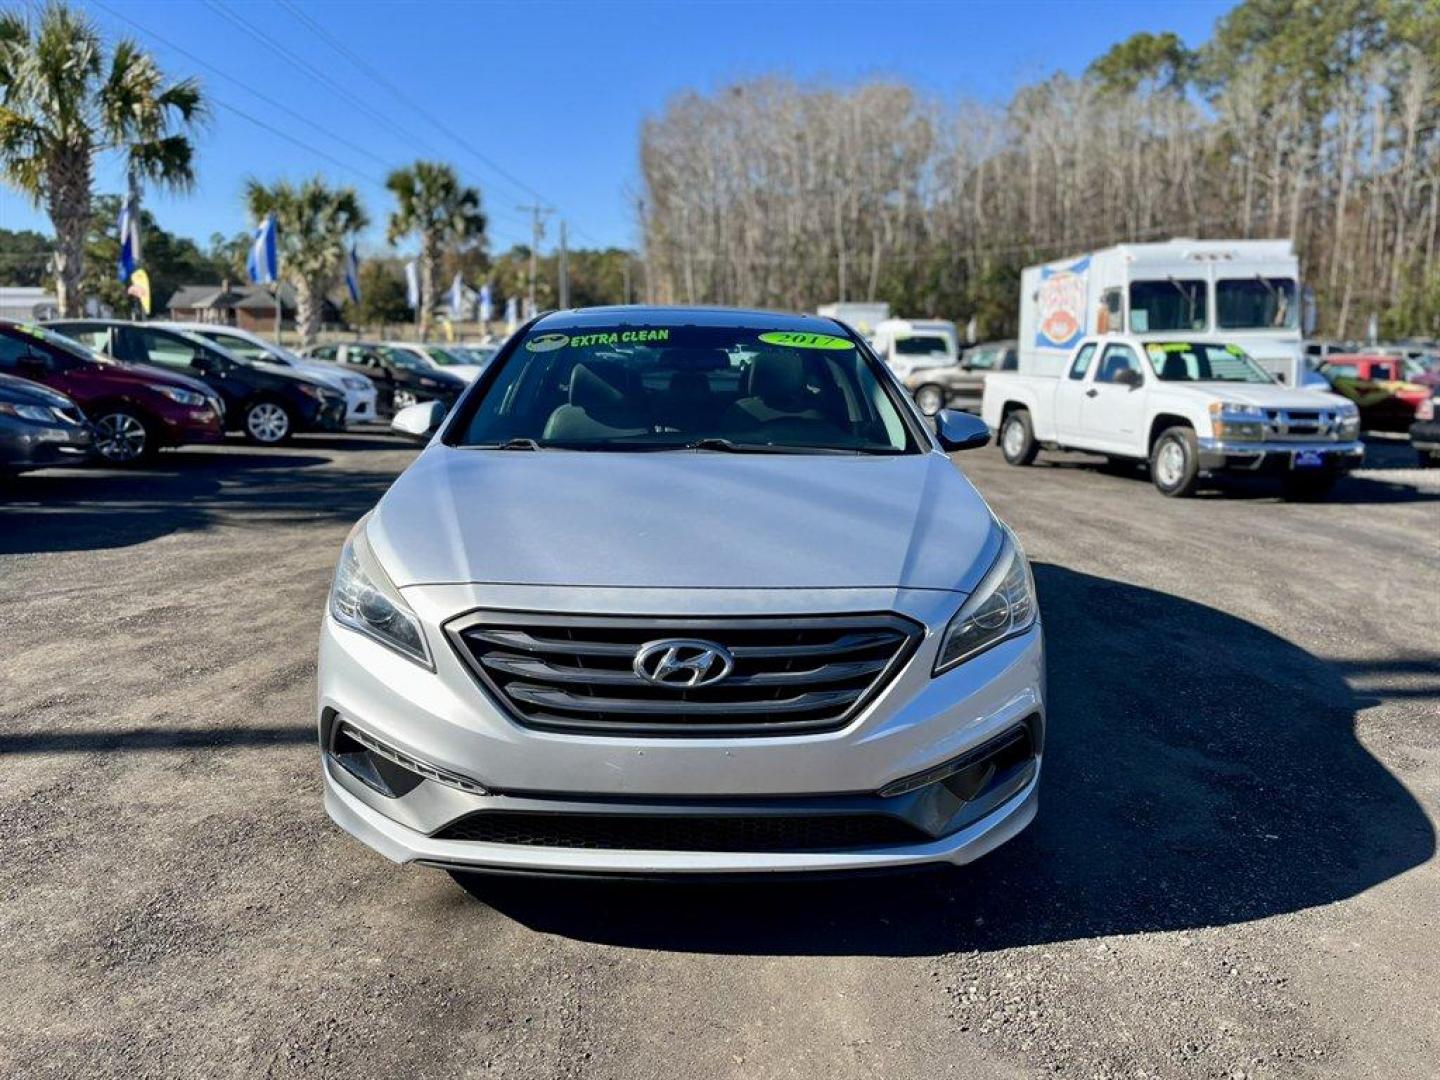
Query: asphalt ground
x,y
1232,874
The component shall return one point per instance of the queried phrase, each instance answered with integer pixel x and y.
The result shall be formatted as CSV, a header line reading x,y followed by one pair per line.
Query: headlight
x,y
1348,421
1234,421
429,383
41,414
1000,608
311,390
180,397
363,599
354,382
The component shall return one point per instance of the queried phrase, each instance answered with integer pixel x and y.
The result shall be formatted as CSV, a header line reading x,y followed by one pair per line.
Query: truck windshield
x,y
1168,304
1201,361
923,345
720,389
1256,303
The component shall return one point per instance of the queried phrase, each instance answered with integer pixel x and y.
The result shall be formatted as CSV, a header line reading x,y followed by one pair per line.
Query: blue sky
x,y
554,93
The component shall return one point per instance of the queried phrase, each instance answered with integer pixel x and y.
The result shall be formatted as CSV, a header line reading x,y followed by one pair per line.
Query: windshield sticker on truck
x,y
1061,305
793,339
617,337
547,342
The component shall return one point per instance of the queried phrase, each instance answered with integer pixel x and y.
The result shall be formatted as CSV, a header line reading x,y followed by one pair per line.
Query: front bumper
x,y
25,445
360,407
329,416
1217,455
1425,435
916,723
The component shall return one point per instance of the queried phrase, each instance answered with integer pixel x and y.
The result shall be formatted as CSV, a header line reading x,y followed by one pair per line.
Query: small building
x,y
24,303
249,307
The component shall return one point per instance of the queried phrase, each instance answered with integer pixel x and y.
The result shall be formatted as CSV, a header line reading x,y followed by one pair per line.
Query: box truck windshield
x,y
1256,303
1169,304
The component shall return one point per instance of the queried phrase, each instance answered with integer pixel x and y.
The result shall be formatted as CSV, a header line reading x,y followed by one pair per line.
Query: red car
x,y
136,409
1378,385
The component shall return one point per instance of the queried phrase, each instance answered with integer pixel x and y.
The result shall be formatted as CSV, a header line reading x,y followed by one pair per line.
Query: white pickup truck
x,y
1186,407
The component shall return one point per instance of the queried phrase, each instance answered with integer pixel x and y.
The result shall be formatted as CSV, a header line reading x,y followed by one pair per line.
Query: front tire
x,y
1017,438
930,399
1175,463
268,423
124,437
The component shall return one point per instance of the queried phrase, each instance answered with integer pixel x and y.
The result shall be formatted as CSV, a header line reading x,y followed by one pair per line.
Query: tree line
x,y
1319,122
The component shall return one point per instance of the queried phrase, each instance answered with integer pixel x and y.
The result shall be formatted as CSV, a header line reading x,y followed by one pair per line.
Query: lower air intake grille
x,y
579,673
628,832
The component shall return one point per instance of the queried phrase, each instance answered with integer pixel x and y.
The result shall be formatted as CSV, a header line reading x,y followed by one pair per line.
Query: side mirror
x,y
203,361
960,430
418,421
1129,377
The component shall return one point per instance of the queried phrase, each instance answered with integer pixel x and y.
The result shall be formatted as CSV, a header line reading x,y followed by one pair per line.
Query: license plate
x,y
1307,459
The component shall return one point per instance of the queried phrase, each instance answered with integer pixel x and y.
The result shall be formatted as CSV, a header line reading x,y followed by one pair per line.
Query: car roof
x,y
655,315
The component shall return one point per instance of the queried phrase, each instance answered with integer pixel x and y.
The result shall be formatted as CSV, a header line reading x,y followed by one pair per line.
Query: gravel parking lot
x,y
1233,872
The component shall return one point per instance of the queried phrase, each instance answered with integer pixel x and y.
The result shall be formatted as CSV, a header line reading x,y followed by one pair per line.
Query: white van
x,y
1234,292
906,345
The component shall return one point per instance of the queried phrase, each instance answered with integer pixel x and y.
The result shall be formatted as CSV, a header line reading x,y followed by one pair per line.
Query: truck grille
x,y
638,832
1302,424
578,673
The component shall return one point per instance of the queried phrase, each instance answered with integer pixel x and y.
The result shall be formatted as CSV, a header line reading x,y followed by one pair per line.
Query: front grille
x,y
1305,424
629,832
576,673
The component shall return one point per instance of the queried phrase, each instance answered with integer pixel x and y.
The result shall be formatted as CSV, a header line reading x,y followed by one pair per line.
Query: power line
x,y
380,77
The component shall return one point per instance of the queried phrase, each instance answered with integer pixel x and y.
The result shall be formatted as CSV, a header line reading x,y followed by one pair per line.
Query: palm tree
x,y
316,224
63,102
431,203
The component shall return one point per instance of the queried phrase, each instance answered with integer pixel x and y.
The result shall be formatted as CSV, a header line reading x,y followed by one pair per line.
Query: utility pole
x,y
537,214
564,270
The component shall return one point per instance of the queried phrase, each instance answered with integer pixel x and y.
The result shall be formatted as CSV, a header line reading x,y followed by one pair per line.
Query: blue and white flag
x,y
457,296
129,225
352,275
263,263
486,308
412,285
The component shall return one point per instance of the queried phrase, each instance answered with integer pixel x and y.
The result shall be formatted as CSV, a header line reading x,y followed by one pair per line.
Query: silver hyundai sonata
x,y
682,591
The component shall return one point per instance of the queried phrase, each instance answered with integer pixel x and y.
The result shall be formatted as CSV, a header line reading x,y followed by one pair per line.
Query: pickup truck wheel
x,y
1175,462
1017,438
930,399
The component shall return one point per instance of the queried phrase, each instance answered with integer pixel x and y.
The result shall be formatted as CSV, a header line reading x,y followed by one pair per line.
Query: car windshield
x,y
1256,303
720,389
445,358
1200,361
404,358
1171,304
923,345
77,349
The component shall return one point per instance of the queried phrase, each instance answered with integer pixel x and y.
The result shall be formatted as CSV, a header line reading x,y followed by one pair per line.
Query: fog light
x,y
970,773
380,766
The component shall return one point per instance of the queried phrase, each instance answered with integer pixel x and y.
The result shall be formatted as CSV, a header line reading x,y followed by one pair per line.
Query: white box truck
x,y
863,315
1234,292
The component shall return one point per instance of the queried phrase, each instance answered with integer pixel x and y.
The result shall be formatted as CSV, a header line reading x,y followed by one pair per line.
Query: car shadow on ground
x,y
1200,771
91,509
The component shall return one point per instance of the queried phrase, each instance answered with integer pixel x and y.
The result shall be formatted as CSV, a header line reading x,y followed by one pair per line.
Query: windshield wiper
x,y
524,443
725,446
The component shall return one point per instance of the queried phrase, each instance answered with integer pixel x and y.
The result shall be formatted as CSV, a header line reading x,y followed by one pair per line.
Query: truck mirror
x,y
1129,377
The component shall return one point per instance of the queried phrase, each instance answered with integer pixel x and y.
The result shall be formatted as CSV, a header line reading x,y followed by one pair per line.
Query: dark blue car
x,y
39,428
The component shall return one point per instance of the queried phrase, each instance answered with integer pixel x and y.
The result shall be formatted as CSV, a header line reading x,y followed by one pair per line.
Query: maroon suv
x,y
136,409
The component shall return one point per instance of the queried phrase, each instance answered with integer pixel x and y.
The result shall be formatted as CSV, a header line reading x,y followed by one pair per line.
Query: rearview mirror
x,y
960,430
418,421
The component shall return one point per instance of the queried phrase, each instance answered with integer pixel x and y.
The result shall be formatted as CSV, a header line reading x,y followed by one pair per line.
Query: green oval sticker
x,y
795,340
547,342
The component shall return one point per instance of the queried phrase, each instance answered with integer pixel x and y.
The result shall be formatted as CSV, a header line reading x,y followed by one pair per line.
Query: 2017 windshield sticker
x,y
794,339
617,337
547,342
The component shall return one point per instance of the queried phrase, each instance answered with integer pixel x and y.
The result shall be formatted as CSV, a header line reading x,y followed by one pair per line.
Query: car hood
x,y
683,520
311,370
297,374
468,372
147,373
24,392
1264,395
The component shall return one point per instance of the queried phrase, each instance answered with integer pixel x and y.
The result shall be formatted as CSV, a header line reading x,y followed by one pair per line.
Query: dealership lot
x,y
1232,874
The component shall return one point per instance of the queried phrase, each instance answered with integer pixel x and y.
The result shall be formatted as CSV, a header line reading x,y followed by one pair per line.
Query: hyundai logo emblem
x,y
683,663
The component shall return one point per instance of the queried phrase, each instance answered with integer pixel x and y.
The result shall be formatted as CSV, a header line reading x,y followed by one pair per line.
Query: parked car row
x,y
138,387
